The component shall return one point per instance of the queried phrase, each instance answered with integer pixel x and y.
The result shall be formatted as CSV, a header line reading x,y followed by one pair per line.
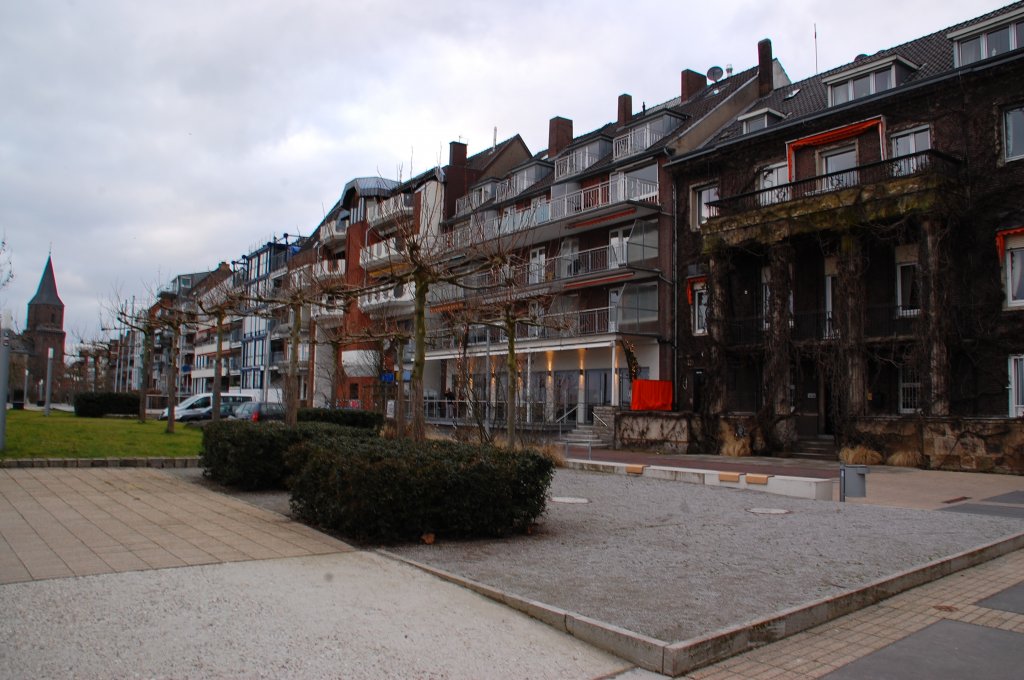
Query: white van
x,y
200,404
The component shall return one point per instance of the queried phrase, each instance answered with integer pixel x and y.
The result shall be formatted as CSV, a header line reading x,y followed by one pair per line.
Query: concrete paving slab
x,y
971,651
57,522
990,510
1014,497
1009,600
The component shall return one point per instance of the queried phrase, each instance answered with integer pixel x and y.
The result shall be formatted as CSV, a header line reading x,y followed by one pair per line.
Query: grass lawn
x,y
30,434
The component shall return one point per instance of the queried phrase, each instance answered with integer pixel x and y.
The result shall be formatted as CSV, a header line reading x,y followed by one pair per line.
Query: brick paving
x,y
57,522
819,651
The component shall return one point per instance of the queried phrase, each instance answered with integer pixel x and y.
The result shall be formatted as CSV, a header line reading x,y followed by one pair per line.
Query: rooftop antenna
x,y
715,73
494,144
815,48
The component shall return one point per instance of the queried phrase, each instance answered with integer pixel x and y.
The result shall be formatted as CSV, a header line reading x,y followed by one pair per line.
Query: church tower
x,y
44,328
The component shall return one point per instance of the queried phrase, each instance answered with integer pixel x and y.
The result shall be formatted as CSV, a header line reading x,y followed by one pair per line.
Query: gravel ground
x,y
674,561
351,615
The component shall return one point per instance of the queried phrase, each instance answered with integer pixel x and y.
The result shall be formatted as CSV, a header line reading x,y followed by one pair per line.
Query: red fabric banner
x,y
651,395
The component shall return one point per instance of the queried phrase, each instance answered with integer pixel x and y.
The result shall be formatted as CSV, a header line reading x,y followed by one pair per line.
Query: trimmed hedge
x,y
347,417
380,490
99,404
250,455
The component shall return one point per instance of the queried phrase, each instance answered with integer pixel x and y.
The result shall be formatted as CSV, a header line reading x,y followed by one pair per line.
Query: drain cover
x,y
768,511
568,499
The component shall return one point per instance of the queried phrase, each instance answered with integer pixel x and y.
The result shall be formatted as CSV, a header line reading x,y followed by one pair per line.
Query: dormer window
x,y
759,120
867,80
989,38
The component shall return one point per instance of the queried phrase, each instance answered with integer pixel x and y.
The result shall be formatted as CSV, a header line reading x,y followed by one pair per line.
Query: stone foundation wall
x,y
664,430
962,444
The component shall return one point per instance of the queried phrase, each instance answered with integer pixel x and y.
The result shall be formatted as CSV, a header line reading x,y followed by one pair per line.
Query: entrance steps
x,y
816,448
585,434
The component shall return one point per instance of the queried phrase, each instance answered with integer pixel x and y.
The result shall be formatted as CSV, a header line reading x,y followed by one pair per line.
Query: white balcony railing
x,y
390,298
329,269
482,229
635,141
472,200
574,163
604,194
379,254
393,208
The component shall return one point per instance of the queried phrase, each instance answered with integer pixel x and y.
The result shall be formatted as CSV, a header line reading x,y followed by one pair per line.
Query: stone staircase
x,y
586,434
816,448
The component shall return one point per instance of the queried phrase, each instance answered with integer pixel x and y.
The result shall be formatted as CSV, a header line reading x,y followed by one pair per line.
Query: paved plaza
x,y
157,572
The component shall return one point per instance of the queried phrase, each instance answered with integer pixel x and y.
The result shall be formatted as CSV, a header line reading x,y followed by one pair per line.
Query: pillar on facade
x,y
848,302
778,368
935,315
716,392
615,376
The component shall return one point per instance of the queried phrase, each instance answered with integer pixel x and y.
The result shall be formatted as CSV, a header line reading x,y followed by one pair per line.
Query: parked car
x,y
227,410
190,408
258,411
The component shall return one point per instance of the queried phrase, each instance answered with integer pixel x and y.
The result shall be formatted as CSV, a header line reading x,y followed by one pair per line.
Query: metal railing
x,y
635,141
472,200
575,162
604,194
378,254
400,205
870,173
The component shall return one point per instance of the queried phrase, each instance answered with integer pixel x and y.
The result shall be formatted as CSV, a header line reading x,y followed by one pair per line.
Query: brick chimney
x,y
457,154
559,135
625,109
691,83
765,80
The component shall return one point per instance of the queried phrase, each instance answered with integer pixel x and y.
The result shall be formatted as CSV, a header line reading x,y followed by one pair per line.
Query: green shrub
x,y
99,404
380,490
250,455
347,417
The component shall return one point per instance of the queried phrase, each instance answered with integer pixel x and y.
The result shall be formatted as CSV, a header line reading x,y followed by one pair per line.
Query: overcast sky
x,y
144,139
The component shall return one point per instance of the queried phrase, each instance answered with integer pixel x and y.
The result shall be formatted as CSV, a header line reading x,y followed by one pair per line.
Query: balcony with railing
x,y
379,255
636,140
575,162
393,209
334,232
473,200
329,311
881,322
392,299
486,227
878,190
591,199
329,270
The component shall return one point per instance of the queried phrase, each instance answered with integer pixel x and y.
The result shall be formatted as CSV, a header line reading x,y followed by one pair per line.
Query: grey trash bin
x,y
853,481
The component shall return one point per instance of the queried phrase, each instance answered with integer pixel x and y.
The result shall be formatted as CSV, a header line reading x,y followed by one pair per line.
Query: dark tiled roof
x,y
369,186
479,161
933,54
46,294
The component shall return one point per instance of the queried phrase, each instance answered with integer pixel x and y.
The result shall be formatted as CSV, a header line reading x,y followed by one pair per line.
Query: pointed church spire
x,y
46,294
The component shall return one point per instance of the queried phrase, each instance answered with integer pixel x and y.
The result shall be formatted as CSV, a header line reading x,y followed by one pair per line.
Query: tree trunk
x,y
292,392
172,379
512,376
215,414
147,368
419,425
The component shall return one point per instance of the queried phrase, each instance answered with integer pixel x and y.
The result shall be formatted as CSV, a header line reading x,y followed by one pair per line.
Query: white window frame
x,y
906,256
982,32
847,178
1014,248
1019,112
847,85
909,391
909,166
769,178
1015,368
701,198
699,309
829,329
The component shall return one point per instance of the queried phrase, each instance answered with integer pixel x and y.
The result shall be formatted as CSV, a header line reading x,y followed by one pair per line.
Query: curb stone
x,y
185,462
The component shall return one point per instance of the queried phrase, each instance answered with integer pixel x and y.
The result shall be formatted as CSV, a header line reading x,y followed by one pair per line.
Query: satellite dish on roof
x,y
715,73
